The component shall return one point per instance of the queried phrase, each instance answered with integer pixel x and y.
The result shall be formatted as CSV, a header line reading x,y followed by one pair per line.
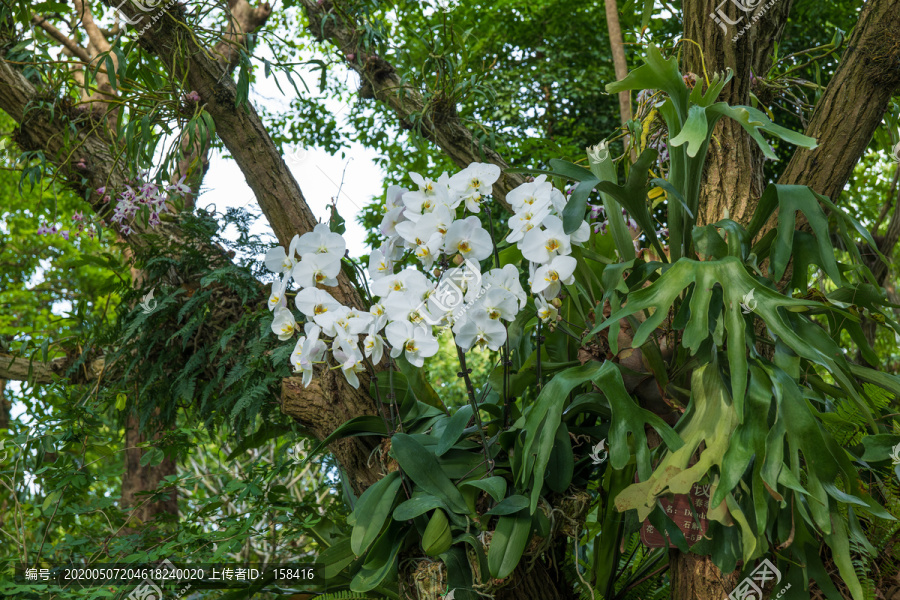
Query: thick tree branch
x,y
853,103
437,120
240,129
17,368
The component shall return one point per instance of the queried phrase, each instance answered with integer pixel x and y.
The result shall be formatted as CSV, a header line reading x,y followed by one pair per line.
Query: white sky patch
x,y
317,172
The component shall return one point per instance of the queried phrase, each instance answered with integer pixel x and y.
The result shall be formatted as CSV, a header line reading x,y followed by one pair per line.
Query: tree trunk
x,y
695,577
137,479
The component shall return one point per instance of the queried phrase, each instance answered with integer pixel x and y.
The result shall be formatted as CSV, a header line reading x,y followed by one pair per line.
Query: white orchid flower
x,y
507,278
546,312
582,234
309,350
317,269
373,346
351,364
469,238
394,198
313,302
390,221
427,198
281,262
527,219
417,343
321,240
549,279
379,316
379,266
541,245
476,328
558,200
473,182
284,325
429,251
277,298
499,304
531,194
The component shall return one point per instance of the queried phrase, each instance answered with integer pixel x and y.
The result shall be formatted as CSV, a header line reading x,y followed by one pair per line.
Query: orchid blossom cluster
x,y
437,224
79,226
147,194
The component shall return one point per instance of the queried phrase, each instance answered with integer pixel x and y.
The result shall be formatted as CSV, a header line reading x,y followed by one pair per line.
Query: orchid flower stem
x,y
507,363
538,365
388,428
493,243
470,390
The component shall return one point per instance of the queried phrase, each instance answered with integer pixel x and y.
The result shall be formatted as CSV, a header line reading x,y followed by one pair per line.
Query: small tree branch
x,y
437,121
62,38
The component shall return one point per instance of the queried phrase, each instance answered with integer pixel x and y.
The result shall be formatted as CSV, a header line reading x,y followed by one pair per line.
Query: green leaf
x,y
542,420
633,196
510,505
694,131
573,213
457,423
418,505
561,465
790,199
372,509
334,559
656,73
362,425
627,417
605,170
711,423
437,538
508,543
51,500
382,559
879,447
423,468
420,385
495,486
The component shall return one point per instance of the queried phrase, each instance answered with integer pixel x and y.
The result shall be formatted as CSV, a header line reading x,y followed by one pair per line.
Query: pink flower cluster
x,y
147,195
79,226
128,204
